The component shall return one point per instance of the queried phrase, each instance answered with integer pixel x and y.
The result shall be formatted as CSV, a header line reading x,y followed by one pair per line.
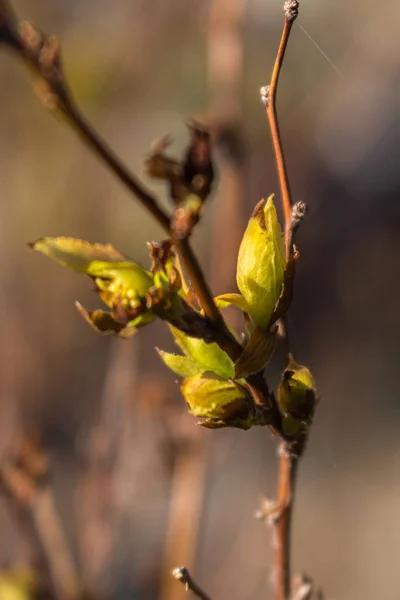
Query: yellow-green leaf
x,y
181,365
211,397
210,356
116,276
77,254
226,300
261,263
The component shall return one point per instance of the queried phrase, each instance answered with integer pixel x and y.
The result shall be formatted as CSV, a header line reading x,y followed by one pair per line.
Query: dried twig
x,y
183,575
288,463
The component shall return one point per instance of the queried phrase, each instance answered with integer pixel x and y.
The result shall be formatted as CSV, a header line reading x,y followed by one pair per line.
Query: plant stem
x,y
275,130
287,460
282,528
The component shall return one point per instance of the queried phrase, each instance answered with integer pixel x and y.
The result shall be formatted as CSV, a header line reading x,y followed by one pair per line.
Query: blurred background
x,y
135,486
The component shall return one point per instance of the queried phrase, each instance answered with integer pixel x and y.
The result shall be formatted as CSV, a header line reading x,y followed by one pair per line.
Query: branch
x,y
183,575
268,95
288,459
282,526
42,54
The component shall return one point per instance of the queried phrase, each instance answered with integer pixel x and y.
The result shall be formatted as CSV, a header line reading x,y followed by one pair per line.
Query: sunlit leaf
x,y
115,276
237,300
181,365
77,254
210,356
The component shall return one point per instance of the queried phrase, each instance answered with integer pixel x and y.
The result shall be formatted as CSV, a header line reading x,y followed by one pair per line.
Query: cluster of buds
x,y
217,389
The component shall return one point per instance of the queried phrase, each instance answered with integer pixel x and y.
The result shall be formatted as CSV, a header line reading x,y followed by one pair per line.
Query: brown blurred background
x,y
137,486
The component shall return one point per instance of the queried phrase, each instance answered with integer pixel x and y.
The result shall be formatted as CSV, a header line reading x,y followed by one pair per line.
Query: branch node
x,y
291,10
299,211
265,95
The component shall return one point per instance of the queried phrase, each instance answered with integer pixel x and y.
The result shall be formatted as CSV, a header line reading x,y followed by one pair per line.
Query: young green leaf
x,y
210,356
261,263
236,300
116,277
181,365
77,254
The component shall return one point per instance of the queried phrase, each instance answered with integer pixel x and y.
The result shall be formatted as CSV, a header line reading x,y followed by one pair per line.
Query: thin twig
x,y
282,527
288,461
269,95
183,575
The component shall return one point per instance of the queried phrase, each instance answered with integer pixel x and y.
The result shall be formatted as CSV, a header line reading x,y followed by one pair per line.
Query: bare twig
x,y
287,460
282,527
183,575
269,94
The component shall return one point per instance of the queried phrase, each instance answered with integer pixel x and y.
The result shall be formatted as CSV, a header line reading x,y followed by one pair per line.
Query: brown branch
x,y
282,526
269,95
183,575
288,461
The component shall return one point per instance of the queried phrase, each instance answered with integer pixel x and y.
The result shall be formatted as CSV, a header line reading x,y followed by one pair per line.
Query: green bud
x,y
261,263
121,283
297,393
213,398
116,277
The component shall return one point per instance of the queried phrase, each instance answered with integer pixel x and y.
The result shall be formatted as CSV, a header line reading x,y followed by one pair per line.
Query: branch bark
x,y
288,461
282,527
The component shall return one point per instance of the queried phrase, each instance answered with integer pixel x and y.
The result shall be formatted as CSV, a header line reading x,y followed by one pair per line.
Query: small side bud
x,y
297,399
299,211
264,94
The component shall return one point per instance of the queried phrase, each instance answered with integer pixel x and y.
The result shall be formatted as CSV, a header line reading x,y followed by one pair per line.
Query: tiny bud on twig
x,y
264,92
298,213
291,10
